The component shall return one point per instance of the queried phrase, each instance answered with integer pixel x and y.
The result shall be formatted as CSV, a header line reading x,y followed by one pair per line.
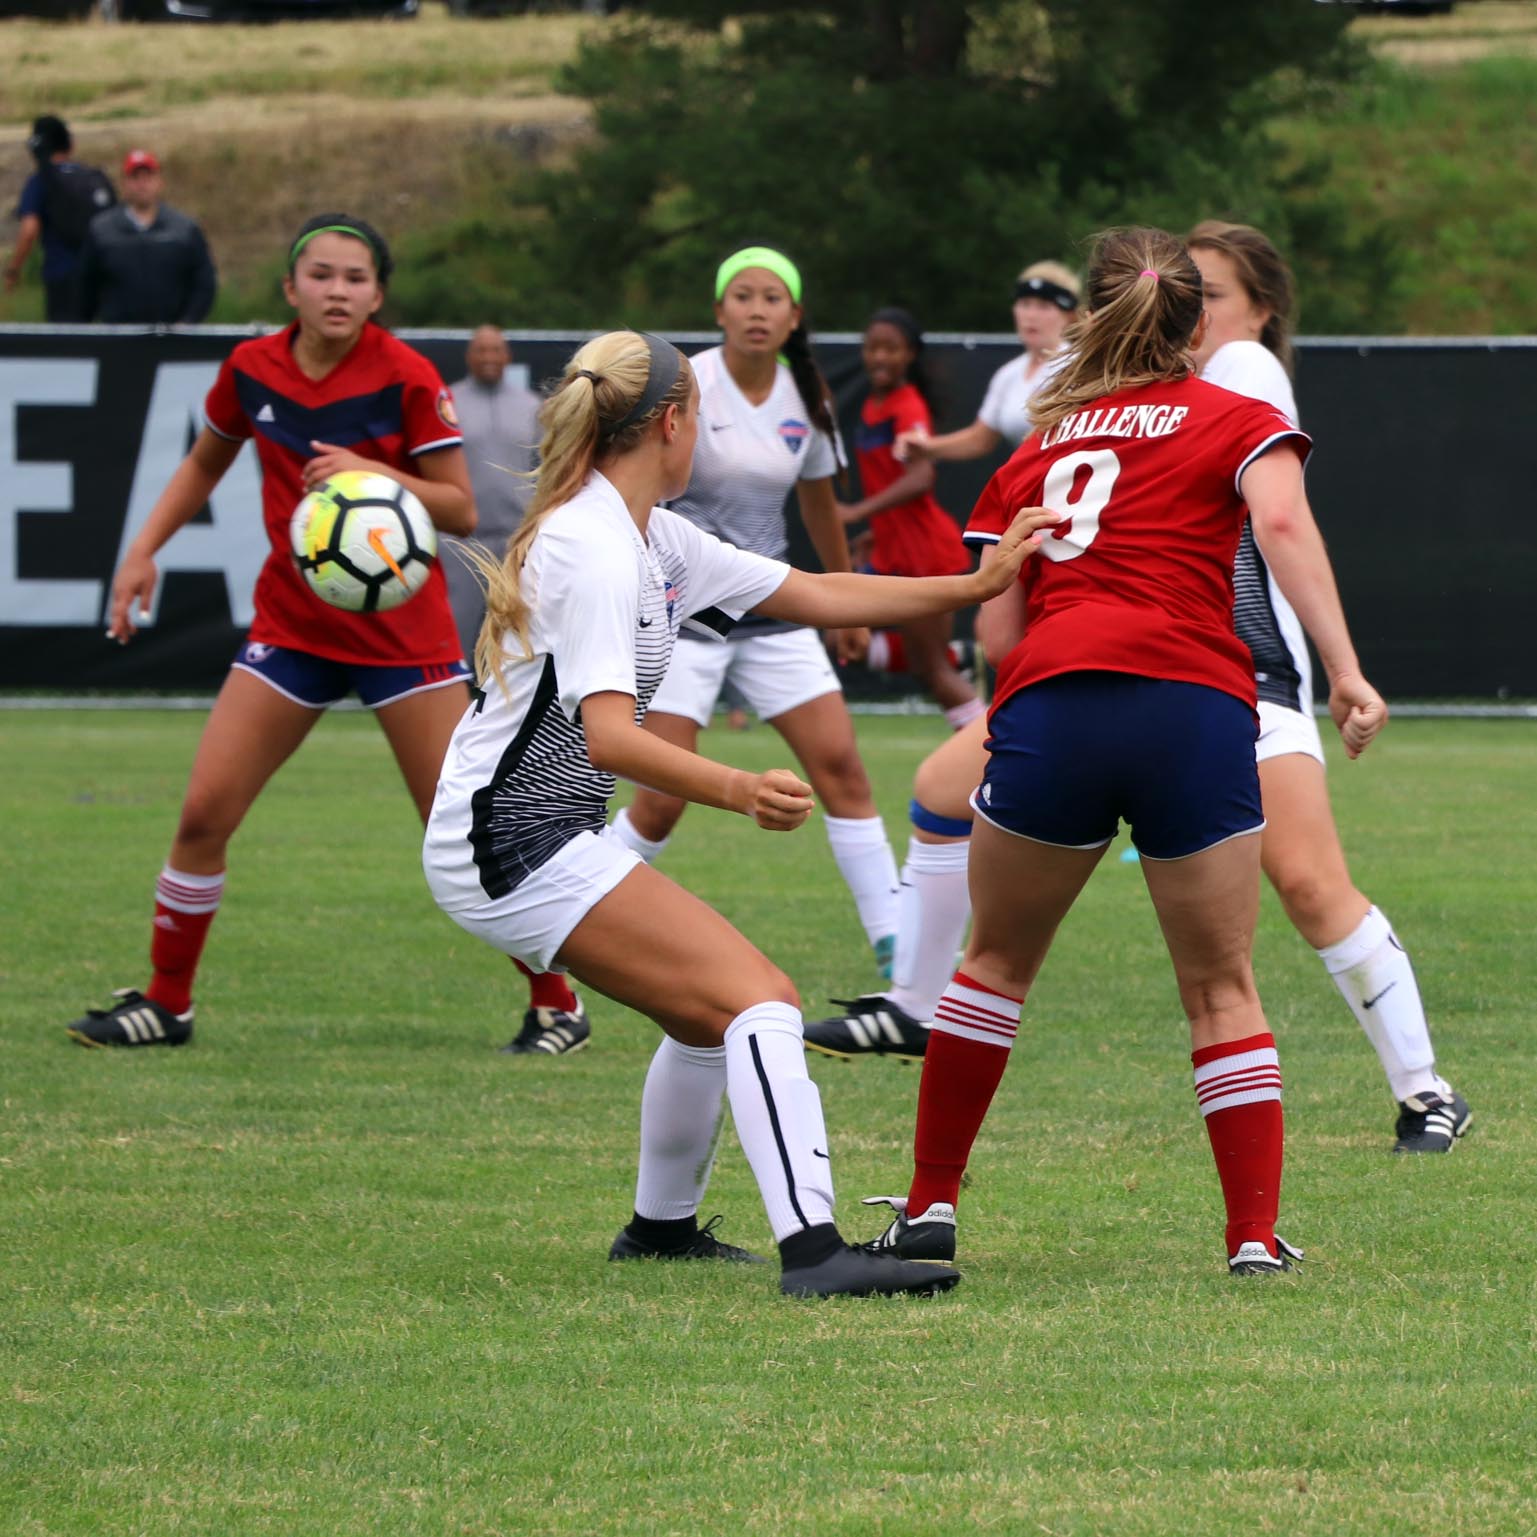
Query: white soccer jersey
x,y
1006,405
1266,623
606,607
749,458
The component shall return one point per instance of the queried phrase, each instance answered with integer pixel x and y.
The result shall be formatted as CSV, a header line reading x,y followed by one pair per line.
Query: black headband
x,y
661,375
1044,288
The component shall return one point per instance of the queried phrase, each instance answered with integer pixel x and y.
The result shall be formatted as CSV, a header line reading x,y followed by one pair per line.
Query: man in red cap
x,y
144,262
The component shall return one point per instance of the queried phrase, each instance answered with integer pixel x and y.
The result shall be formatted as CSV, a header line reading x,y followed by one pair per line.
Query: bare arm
x,y
442,487
819,512
831,598
185,495
26,238
973,442
908,487
1001,625
776,800
1293,547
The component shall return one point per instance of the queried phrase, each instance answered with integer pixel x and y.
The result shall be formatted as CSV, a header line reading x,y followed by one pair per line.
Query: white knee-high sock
x,y
932,910
1372,971
778,1116
680,1120
623,830
863,853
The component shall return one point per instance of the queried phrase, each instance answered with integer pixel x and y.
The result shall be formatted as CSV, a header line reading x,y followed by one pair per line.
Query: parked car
x,y
254,10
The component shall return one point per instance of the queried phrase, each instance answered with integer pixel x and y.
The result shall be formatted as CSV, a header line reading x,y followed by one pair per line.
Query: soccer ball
x,y
363,542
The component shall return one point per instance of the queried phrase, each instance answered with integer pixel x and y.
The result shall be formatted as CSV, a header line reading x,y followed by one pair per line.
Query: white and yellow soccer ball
x,y
363,542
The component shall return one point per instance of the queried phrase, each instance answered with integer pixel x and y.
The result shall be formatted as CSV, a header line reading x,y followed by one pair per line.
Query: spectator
x,y
57,205
144,262
500,423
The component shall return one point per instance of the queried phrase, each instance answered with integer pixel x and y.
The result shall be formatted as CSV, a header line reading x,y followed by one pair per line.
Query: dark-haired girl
x,y
767,429
332,391
581,620
1130,697
912,535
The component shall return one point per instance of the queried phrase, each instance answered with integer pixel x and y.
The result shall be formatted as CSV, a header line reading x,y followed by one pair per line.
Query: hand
x,y
848,512
1021,539
330,460
133,586
778,800
910,446
861,548
1358,710
849,645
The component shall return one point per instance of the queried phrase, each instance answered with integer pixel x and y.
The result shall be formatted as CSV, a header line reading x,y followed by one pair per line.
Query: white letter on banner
x,y
235,542
39,487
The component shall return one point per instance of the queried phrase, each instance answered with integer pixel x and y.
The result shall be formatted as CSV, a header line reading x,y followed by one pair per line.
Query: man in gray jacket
x,y
143,262
500,422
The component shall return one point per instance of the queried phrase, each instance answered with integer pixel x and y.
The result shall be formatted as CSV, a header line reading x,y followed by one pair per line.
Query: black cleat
x,y
874,1025
930,1237
556,1032
856,1272
1431,1123
1253,1258
703,1244
133,1021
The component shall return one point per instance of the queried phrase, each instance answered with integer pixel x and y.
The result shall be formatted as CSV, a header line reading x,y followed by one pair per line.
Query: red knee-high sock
x,y
548,989
185,906
1238,1087
974,1027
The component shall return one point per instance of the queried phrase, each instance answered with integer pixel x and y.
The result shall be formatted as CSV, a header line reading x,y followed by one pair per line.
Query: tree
x,y
921,151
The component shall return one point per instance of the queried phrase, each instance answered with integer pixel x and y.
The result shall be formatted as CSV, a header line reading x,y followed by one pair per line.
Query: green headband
x,y
759,256
330,229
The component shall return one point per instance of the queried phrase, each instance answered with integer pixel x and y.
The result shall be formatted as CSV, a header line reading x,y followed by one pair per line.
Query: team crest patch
x,y
446,408
793,433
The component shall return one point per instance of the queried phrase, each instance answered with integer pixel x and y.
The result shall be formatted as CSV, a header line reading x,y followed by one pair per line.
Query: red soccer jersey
x,y
1138,577
383,401
916,538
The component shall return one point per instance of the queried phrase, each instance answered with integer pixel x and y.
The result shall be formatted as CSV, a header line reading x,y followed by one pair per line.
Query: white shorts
x,y
1284,731
536,918
774,673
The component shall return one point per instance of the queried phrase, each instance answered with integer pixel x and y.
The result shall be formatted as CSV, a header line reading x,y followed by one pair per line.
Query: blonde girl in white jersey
x,y
1247,349
767,428
581,619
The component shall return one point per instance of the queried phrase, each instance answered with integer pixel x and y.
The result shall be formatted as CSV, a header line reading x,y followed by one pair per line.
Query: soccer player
x,y
331,392
1247,348
1130,696
767,429
582,615
912,535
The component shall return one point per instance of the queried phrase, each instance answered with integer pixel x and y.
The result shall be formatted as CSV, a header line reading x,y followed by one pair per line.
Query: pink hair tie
x,y
1147,272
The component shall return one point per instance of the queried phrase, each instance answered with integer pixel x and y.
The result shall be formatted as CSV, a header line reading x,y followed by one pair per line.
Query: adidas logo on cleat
x,y
1254,1258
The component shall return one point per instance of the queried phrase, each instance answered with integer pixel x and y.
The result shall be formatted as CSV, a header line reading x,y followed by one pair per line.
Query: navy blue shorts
x,y
319,682
1070,757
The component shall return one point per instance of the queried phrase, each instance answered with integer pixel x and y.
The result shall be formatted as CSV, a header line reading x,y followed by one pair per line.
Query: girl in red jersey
x,y
332,391
1129,696
912,535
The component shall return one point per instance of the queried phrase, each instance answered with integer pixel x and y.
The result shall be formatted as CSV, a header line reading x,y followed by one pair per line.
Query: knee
x,y
1307,895
704,1023
841,782
205,821
942,794
654,815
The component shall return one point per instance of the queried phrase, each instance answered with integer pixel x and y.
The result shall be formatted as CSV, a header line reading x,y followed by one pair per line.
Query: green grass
x,y
338,1267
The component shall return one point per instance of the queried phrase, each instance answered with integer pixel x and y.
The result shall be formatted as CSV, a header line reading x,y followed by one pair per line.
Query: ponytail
x,y
610,393
1144,297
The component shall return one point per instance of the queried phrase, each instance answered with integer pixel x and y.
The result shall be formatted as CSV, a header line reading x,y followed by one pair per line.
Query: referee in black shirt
x,y
144,262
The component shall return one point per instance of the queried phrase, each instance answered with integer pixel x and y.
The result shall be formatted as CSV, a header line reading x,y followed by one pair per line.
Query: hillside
x,y
422,123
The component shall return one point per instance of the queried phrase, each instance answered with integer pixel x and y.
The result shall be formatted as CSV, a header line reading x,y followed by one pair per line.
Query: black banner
x,y
1419,478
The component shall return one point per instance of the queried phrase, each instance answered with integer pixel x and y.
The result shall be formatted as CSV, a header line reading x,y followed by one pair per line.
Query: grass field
x,y
338,1267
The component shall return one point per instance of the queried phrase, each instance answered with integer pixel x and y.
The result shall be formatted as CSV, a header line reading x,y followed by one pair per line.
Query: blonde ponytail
x,y
1144,298
586,419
